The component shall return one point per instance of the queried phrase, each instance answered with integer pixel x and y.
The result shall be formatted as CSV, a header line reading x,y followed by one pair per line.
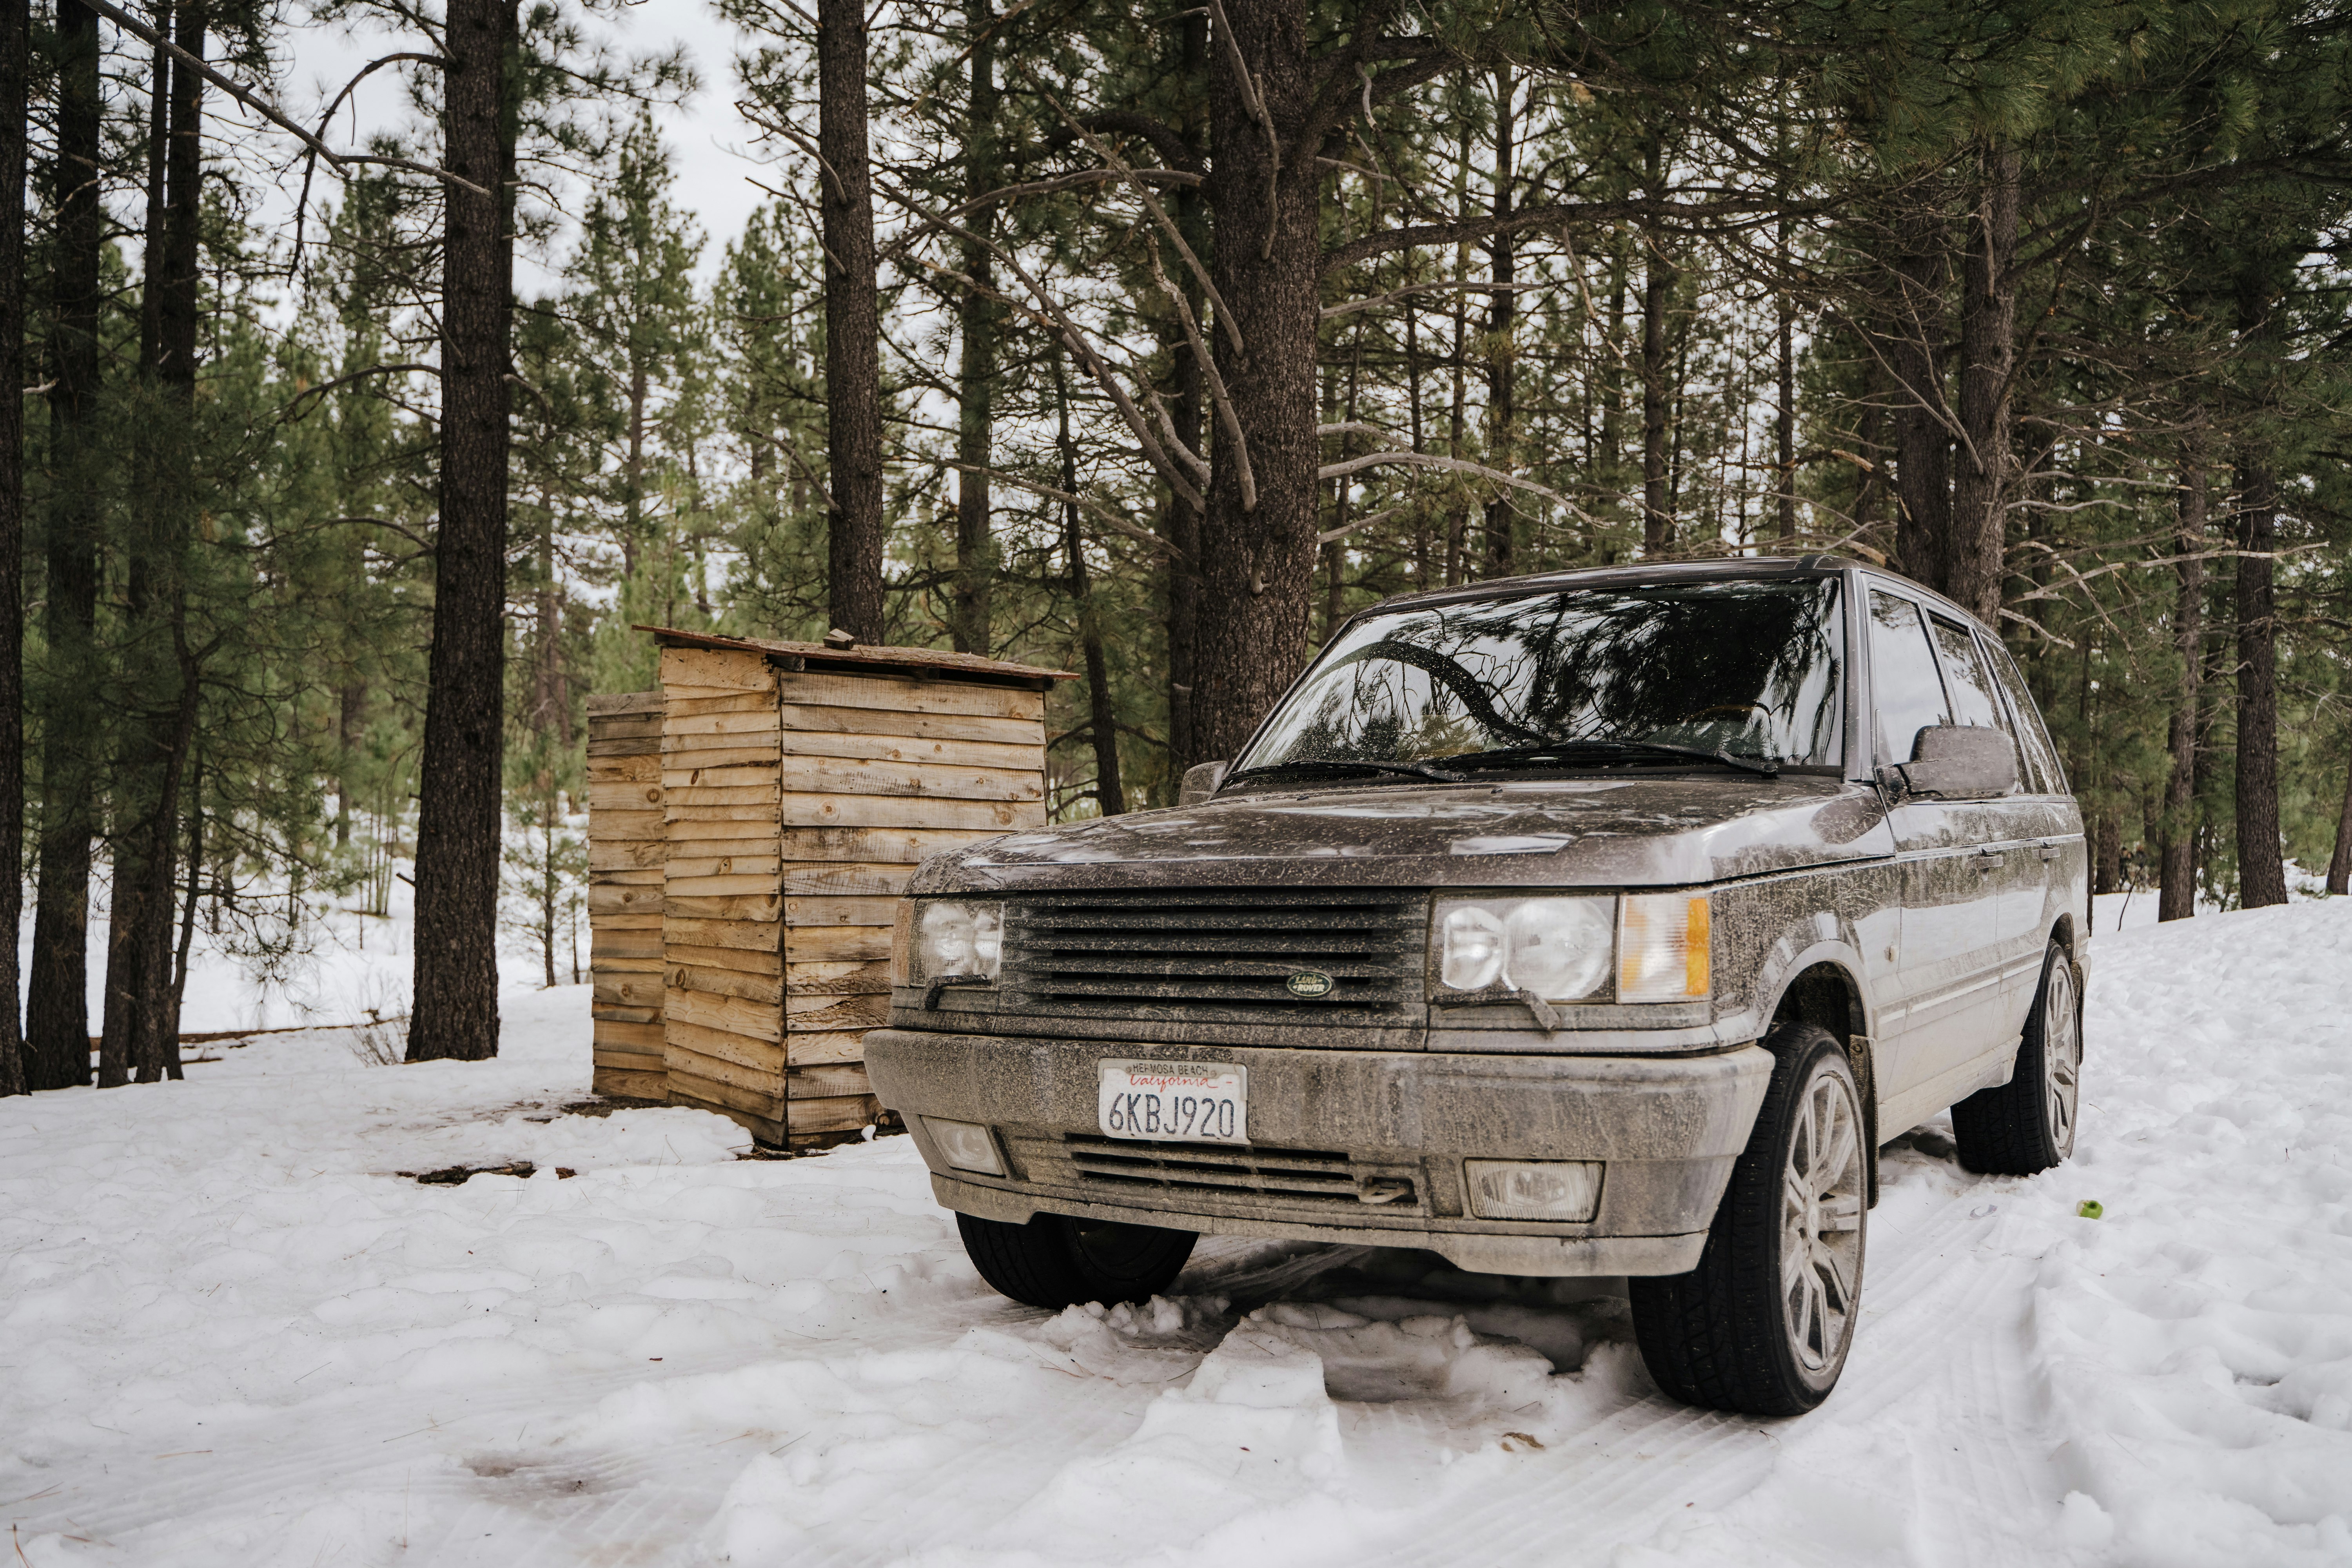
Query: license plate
x,y
1185,1103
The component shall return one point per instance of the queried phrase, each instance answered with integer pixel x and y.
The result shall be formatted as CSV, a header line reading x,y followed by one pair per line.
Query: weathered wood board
x,y
627,849
753,825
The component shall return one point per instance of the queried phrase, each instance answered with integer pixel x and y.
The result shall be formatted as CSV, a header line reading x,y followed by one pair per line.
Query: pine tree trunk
x,y
1784,417
1657,294
2339,864
2262,869
57,1020
13,73
1922,446
1502,317
1258,561
968,613
456,998
2177,901
1102,716
852,365
159,679
1973,570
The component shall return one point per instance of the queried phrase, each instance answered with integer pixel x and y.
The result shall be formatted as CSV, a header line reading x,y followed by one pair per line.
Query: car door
x,y
1949,964
2007,831
2049,815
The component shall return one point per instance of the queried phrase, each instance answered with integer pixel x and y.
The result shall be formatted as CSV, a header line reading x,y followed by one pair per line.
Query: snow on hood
x,y
1587,831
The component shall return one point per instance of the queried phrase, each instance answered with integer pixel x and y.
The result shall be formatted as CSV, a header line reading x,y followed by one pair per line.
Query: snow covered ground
x,y
232,1331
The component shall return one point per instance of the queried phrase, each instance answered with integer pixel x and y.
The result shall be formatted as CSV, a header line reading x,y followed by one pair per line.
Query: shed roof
x,y
922,663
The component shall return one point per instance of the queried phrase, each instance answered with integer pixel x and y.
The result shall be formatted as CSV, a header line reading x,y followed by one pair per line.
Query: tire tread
x,y
1701,1333
2003,1131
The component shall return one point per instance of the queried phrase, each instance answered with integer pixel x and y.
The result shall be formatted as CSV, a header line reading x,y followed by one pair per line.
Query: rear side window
x,y
1969,681
2042,772
1906,690
1966,677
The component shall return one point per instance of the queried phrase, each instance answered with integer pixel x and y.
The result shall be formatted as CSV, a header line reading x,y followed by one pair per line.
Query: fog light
x,y
1534,1189
966,1145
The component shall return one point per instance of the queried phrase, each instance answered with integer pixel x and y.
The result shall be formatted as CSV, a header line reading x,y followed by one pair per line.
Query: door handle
x,y
1986,859
2050,851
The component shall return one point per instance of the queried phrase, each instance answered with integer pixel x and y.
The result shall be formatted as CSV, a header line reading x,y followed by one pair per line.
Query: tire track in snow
x,y
1930,1328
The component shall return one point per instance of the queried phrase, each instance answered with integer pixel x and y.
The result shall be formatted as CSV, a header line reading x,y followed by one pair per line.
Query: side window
x,y
1974,701
2041,767
1966,677
1904,688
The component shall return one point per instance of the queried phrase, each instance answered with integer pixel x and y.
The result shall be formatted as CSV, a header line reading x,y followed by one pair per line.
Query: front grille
x,y
1116,1170
1176,955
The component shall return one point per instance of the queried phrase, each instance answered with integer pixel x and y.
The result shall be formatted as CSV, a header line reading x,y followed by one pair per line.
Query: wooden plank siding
x,y
627,849
877,773
722,946
751,827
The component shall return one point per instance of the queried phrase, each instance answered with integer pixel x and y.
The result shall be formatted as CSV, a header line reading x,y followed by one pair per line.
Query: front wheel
x,y
2026,1126
1054,1261
1763,1325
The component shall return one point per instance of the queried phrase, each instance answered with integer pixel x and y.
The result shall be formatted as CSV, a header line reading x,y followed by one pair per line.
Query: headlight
x,y
955,938
1557,948
1662,948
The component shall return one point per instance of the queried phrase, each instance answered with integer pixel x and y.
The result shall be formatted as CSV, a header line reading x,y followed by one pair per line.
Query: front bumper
x,y
1668,1131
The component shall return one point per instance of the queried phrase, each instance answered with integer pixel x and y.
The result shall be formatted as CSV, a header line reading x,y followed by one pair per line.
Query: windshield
x,y
1748,669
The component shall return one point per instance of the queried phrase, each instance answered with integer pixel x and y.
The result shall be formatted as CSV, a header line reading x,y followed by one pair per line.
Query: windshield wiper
x,y
1345,764
1764,765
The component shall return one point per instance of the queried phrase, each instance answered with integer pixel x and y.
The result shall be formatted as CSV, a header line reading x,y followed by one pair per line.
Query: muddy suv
x,y
1605,922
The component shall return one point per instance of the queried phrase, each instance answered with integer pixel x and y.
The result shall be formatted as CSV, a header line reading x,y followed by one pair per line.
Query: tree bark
x,y
2177,900
1784,415
15,64
1187,743
456,1001
57,1022
968,613
1657,294
1923,445
1973,567
1501,318
1102,714
2339,864
158,676
1258,561
852,365
2262,867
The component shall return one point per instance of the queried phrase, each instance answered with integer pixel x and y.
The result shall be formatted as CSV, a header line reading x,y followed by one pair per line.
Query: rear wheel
x,y
1054,1261
1763,1325
2026,1126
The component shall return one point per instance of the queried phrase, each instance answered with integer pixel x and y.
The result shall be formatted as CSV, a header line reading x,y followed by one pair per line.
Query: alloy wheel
x,y
1821,1221
2061,1054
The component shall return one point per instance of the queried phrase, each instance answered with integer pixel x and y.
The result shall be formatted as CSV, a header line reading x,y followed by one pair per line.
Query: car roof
x,y
1732,569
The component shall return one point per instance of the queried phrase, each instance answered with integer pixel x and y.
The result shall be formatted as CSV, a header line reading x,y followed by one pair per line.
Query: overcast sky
x,y
706,137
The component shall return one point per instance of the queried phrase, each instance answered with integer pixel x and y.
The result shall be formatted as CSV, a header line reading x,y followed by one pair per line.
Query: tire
x,y
2026,1126
1741,1332
1054,1261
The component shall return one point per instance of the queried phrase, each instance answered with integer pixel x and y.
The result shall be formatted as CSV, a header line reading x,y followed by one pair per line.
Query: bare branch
x,y
1108,517
1217,382
1467,287
1158,216
262,107
1178,480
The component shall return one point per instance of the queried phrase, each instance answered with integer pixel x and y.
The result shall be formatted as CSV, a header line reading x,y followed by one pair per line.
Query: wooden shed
x,y
797,786
627,849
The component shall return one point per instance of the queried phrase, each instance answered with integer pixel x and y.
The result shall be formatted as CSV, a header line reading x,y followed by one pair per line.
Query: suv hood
x,y
1580,832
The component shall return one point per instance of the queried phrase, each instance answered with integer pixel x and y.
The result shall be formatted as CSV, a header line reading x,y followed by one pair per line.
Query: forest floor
x,y
236,1329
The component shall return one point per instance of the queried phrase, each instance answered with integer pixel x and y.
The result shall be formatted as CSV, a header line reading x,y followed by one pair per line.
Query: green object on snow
x,y
2090,1209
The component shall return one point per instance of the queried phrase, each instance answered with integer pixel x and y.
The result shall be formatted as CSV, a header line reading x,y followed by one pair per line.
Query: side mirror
x,y
1956,762
1200,781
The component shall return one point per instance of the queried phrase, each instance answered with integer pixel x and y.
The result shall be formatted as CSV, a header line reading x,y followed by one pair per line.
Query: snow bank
x,y
232,1331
